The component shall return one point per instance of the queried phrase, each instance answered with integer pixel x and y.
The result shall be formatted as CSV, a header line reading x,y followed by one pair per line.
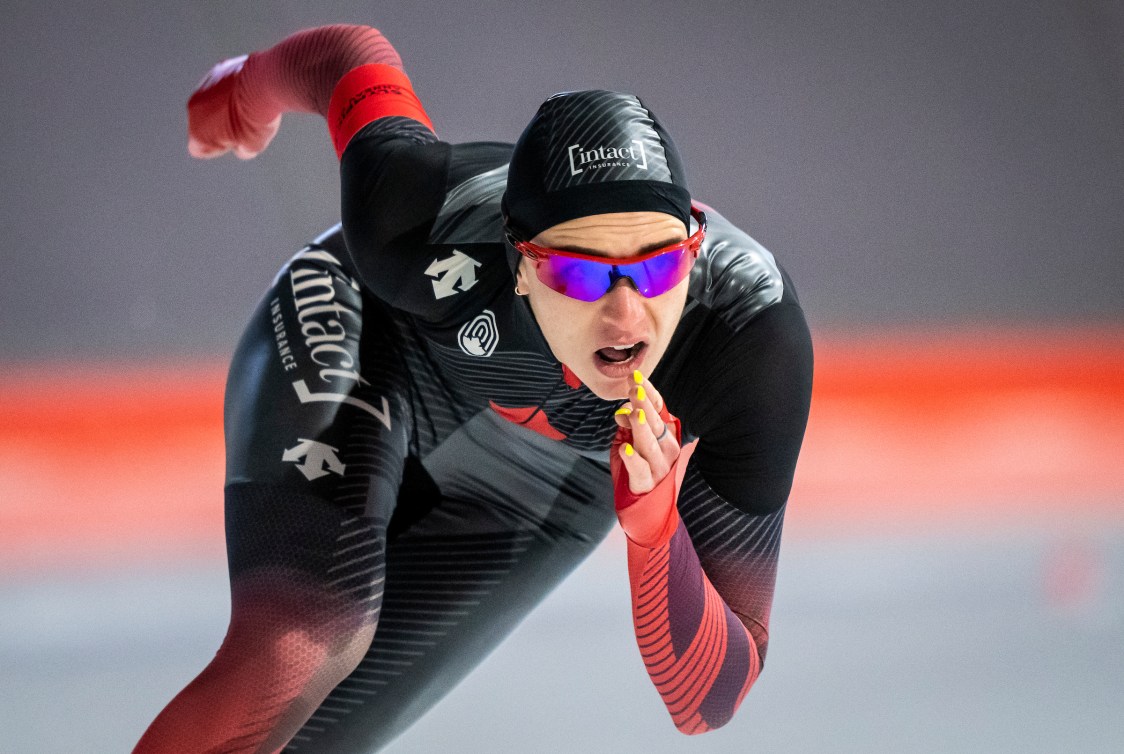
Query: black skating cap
x,y
586,153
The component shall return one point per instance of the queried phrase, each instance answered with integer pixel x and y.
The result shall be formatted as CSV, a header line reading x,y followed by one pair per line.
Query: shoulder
x,y
738,371
421,217
398,177
735,278
470,207
739,300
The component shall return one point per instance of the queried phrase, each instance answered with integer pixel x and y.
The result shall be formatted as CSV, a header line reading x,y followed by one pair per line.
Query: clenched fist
x,y
221,118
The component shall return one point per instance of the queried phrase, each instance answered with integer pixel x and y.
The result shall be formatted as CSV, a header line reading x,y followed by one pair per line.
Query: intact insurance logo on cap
x,y
631,155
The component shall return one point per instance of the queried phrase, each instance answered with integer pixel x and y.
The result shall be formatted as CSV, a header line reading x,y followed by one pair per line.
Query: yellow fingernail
x,y
637,377
623,411
640,416
628,451
640,394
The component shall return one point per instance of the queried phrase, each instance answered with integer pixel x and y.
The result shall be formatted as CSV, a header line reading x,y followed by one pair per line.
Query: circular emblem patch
x,y
479,336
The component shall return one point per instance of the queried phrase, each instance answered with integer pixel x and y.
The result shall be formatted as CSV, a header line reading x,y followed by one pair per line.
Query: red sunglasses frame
x,y
693,244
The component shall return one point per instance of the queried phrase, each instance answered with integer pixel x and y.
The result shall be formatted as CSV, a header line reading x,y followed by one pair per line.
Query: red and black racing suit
x,y
410,470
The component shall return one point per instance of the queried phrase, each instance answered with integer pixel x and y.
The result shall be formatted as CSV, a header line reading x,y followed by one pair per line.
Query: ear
x,y
522,275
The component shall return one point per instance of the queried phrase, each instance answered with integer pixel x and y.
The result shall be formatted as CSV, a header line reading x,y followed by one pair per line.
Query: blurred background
x,y
943,180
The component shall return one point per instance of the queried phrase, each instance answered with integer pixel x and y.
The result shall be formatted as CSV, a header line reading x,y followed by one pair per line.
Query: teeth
x,y
624,348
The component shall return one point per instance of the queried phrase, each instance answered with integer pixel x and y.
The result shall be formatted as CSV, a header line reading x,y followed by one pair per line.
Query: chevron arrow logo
x,y
320,459
459,268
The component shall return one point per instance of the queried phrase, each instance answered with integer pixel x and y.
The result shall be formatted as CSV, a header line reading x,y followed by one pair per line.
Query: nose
x,y
623,305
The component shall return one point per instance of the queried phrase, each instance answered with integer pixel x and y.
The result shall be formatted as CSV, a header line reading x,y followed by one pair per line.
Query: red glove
x,y
221,118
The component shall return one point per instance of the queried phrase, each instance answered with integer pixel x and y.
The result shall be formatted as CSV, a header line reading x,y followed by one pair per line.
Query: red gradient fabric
x,y
368,93
239,103
300,72
704,675
700,657
288,645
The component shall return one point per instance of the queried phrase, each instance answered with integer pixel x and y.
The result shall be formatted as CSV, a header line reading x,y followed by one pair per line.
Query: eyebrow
x,y
598,253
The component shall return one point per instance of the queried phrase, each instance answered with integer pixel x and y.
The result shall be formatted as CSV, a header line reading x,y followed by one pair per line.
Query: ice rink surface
x,y
996,639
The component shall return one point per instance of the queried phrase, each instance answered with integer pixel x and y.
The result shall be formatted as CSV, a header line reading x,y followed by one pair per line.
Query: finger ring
x,y
662,434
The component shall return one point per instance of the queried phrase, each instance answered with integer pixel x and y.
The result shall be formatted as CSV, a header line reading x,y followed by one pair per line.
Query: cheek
x,y
666,310
562,320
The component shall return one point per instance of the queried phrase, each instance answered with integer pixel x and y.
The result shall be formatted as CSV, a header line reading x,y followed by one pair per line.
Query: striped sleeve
x,y
702,589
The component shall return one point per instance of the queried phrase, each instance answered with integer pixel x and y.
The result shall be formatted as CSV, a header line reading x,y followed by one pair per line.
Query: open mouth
x,y
620,354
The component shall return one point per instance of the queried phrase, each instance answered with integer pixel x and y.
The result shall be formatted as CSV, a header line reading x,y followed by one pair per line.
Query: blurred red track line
x,y
998,426
906,429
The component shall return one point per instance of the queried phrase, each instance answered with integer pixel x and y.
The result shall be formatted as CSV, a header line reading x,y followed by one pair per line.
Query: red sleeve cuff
x,y
649,519
368,93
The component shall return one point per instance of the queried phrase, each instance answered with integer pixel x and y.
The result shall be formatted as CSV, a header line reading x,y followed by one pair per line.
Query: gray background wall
x,y
911,162
916,163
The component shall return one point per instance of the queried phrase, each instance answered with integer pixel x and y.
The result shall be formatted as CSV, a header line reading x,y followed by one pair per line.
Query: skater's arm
x,y
392,167
702,564
239,104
